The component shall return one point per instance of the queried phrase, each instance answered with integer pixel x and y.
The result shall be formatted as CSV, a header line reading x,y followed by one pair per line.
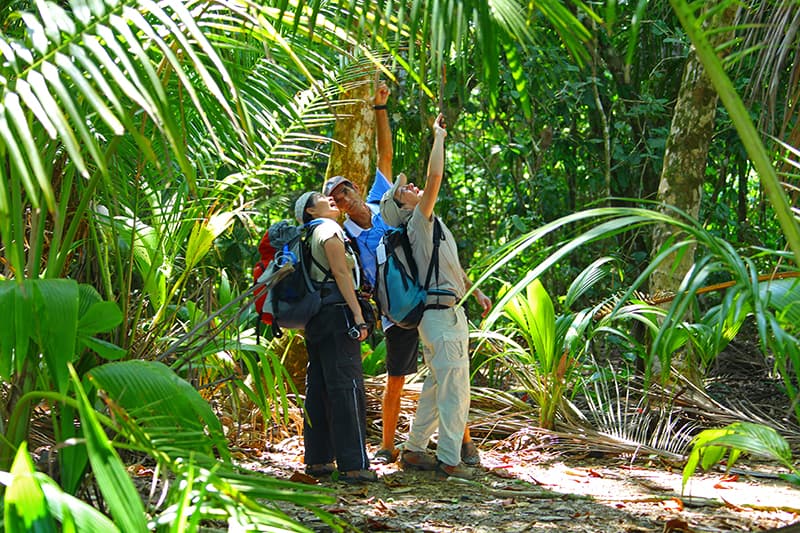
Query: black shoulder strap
x,y
438,235
406,245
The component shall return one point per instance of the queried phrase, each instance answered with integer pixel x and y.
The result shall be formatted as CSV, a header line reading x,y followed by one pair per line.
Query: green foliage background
x,y
145,147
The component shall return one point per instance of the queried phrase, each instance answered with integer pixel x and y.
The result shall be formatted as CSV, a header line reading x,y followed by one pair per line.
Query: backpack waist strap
x,y
440,299
330,293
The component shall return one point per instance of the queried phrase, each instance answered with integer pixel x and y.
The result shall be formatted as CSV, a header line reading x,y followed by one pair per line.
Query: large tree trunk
x,y
686,153
353,152
685,158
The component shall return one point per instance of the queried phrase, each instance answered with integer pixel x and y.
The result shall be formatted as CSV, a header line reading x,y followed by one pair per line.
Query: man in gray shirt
x,y
444,400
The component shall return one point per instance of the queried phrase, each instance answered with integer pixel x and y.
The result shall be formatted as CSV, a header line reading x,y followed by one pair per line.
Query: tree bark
x,y
353,153
686,154
683,173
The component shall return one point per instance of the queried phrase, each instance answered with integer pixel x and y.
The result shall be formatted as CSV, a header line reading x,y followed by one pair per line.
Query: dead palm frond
x,y
771,29
696,403
622,413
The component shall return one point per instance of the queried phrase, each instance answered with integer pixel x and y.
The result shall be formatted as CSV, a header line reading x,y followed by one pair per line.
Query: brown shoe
x,y
469,454
418,460
459,471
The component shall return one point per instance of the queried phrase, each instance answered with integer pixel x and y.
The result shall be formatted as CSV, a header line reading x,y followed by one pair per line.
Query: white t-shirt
x,y
323,230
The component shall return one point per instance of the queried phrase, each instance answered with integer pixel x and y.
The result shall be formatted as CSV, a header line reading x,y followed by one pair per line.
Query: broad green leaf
x,y
116,486
542,323
73,458
203,235
794,479
7,327
25,508
67,509
23,323
63,506
56,323
783,296
225,292
101,317
104,349
711,445
88,296
153,394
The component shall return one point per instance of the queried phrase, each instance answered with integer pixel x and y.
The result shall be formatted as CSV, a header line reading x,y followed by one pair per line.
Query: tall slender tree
x,y
686,154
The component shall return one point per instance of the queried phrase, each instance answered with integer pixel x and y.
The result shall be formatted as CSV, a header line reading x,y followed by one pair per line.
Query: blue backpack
x,y
398,290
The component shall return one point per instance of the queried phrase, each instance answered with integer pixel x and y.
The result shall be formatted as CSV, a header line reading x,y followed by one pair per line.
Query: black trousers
x,y
335,424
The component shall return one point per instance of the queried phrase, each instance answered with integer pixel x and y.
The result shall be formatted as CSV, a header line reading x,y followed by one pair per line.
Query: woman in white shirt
x,y
335,405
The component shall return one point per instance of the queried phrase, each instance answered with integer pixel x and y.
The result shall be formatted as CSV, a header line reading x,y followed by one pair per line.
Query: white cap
x,y
393,214
300,205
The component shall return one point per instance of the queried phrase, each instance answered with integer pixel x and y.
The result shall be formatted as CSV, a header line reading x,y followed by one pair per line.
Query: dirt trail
x,y
528,491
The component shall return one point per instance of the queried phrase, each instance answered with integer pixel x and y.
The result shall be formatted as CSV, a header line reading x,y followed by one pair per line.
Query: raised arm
x,y
383,132
435,169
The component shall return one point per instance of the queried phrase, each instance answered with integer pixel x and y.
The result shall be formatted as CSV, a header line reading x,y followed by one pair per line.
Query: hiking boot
x,y
418,460
469,454
385,457
358,476
459,471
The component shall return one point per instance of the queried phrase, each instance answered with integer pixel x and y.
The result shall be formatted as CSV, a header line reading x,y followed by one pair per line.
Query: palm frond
x,y
711,445
145,389
770,30
117,487
637,424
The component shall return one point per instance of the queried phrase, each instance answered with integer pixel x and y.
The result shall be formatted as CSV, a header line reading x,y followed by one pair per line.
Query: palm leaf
x,y
741,120
159,399
710,446
74,78
783,295
67,509
116,486
25,505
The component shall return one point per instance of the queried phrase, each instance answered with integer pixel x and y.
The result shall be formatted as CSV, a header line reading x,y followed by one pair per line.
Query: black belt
x,y
438,293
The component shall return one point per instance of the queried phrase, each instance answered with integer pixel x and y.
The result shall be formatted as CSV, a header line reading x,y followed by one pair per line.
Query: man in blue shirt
x,y
364,225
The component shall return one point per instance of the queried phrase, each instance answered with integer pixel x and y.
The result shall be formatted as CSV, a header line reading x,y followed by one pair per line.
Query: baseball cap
x,y
393,214
300,205
334,182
